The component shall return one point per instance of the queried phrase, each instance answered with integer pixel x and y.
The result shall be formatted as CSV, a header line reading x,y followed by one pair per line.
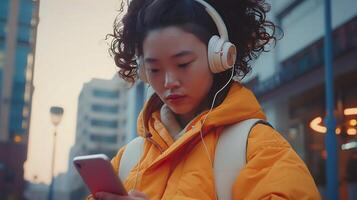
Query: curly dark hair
x,y
245,20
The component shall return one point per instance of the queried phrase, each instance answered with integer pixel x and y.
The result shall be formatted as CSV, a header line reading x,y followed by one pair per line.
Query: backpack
x,y
230,156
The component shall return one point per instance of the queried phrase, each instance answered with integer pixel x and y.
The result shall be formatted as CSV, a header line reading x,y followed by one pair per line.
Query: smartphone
x,y
98,174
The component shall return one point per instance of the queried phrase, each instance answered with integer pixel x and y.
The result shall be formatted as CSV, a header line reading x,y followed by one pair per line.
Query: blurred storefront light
x,y
353,122
316,123
316,126
349,145
350,111
17,139
351,131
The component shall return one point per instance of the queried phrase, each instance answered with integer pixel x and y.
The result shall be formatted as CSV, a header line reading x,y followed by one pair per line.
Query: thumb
x,y
136,193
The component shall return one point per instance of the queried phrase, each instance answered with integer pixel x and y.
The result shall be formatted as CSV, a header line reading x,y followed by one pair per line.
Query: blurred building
x,y
289,81
101,125
39,191
18,26
36,191
136,97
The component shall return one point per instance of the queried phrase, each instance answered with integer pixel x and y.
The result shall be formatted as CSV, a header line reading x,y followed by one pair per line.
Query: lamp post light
x,y
56,117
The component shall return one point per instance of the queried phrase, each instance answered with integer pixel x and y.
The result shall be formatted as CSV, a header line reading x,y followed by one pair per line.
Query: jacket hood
x,y
240,104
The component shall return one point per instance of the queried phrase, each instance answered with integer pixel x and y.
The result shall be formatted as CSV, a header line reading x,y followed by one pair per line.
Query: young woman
x,y
185,55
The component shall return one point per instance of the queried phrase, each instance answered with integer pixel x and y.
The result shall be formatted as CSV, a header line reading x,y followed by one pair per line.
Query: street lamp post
x,y
330,121
56,117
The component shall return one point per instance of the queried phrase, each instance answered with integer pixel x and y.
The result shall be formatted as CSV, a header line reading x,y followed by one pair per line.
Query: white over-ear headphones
x,y
221,53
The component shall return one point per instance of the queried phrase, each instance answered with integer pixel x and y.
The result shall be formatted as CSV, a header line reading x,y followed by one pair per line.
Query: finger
x,y
104,196
136,193
91,197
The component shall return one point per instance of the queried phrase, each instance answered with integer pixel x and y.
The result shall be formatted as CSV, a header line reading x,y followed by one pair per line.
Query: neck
x,y
184,119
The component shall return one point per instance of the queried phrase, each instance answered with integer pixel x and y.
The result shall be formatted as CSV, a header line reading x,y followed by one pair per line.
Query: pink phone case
x,y
98,174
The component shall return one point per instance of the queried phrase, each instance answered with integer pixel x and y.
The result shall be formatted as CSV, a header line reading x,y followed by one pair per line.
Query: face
x,y
176,67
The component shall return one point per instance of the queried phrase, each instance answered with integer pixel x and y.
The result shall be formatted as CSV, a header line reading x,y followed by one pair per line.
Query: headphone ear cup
x,y
210,51
229,55
141,69
214,54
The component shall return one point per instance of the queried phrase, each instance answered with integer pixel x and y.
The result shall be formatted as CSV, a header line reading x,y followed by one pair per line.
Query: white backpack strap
x,y
130,157
230,156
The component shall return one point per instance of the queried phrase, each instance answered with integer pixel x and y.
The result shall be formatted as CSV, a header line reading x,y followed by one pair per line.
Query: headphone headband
x,y
222,29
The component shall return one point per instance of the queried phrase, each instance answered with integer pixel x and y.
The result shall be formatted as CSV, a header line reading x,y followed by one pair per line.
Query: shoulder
x,y
263,137
116,159
273,167
128,155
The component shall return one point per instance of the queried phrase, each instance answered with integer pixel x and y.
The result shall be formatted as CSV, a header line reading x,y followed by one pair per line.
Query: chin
x,y
180,110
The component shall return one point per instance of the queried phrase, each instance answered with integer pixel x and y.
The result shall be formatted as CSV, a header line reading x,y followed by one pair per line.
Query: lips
x,y
174,97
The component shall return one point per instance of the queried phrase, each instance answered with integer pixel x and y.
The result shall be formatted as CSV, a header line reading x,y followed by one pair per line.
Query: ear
x,y
141,69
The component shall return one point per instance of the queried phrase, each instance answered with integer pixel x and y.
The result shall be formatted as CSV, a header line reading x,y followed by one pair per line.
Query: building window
x,y
297,10
104,123
106,94
123,138
2,59
4,8
104,138
105,109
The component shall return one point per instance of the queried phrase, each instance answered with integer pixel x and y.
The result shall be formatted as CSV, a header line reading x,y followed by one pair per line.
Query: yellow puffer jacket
x,y
181,169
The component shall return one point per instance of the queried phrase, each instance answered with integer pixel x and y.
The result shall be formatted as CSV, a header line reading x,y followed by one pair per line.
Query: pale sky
x,y
70,50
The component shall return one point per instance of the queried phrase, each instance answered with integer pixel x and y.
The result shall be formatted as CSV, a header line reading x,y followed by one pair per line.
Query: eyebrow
x,y
180,54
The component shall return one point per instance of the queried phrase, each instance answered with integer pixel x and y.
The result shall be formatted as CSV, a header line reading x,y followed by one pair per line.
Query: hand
x,y
132,195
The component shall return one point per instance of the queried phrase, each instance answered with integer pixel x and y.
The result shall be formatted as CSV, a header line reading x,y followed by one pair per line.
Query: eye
x,y
183,65
153,70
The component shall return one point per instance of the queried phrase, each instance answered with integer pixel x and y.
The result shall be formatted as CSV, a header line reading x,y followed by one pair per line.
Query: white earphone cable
x,y
214,99
201,134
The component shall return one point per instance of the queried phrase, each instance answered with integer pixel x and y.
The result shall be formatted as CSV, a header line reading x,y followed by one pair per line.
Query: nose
x,y
171,80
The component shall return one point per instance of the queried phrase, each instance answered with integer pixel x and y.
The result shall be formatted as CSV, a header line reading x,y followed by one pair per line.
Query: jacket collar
x,y
155,122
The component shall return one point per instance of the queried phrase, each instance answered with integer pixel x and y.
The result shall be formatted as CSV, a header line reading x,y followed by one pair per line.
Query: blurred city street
x,y
61,96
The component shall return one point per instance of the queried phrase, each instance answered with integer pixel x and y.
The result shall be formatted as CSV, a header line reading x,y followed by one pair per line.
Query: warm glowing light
x,y
315,125
324,154
351,131
353,122
350,111
17,139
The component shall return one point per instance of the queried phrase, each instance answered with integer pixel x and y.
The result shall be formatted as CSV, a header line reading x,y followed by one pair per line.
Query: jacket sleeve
x,y
273,169
115,163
